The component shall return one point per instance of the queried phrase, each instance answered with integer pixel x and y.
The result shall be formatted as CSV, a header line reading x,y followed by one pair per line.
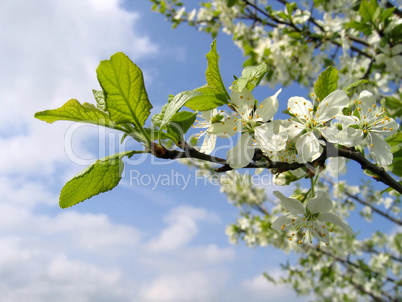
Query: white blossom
x,y
308,220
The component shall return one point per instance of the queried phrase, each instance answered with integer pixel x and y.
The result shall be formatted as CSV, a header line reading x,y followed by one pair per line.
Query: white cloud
x,y
182,228
50,50
192,286
259,288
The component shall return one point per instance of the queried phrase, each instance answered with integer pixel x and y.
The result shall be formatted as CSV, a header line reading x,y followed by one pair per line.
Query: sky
x,y
140,241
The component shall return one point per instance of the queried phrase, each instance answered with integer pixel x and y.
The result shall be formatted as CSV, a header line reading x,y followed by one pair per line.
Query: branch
x,y
363,202
329,151
350,153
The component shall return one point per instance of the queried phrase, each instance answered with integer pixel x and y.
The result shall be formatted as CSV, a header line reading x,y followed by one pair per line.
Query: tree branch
x,y
329,151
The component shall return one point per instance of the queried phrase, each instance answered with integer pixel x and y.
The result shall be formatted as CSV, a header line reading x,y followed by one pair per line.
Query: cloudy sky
x,y
138,242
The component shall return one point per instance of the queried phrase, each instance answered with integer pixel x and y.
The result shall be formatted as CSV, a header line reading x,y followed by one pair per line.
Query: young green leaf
x,y
100,99
367,9
180,123
349,89
214,79
74,111
175,105
327,82
251,76
100,177
395,139
125,95
392,105
210,99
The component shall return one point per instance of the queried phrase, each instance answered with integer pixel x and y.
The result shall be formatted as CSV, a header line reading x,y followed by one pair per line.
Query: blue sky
x,y
134,243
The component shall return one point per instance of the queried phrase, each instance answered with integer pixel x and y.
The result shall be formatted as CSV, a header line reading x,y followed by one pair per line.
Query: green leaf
x,y
327,82
349,89
214,79
392,105
396,168
125,94
230,3
367,9
395,139
209,99
386,13
157,118
365,28
100,177
251,76
74,111
180,123
100,99
178,101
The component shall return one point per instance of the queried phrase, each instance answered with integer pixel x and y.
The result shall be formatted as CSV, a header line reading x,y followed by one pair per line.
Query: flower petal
x,y
308,147
243,102
292,205
226,128
300,107
267,108
241,154
332,218
366,101
271,137
385,127
321,203
379,149
208,144
349,137
281,221
332,105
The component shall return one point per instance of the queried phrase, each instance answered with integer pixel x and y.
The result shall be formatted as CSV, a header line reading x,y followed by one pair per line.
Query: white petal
x,y
207,115
332,105
379,149
300,107
292,205
347,120
321,203
271,137
332,218
208,144
386,128
244,102
267,108
367,100
349,137
330,133
280,221
308,147
241,154
293,128
226,128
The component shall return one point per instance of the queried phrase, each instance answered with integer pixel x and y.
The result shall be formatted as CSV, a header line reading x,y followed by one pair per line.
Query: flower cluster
x,y
303,136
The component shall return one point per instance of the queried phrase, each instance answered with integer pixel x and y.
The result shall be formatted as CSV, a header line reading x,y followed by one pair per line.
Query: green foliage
x,y
351,88
123,85
74,111
395,141
175,105
392,105
100,177
100,99
212,74
180,123
209,98
251,76
326,83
